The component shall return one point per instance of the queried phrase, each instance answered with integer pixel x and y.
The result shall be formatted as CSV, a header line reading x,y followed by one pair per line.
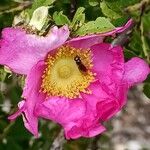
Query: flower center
x,y
64,71
68,72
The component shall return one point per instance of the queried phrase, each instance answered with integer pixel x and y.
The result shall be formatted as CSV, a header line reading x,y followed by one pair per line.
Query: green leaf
x,y
120,21
135,43
60,18
79,18
108,12
93,2
100,25
39,3
146,89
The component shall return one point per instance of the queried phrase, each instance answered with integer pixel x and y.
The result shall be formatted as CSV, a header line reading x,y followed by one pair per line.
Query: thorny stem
x,y
58,142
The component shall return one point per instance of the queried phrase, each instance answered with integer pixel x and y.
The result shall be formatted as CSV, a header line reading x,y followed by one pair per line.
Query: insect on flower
x,y
80,64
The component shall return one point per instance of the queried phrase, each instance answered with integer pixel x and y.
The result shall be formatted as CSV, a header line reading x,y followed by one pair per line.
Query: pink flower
x,y
79,83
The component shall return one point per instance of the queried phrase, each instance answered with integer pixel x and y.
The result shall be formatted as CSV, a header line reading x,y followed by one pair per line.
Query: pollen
x,y
64,77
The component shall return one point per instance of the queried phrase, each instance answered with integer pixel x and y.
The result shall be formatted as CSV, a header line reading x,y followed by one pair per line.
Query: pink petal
x,y
85,43
32,98
87,126
102,58
106,109
61,110
121,94
20,51
68,113
109,66
74,115
97,129
77,132
136,71
19,112
98,94
30,122
89,40
103,104
33,80
108,62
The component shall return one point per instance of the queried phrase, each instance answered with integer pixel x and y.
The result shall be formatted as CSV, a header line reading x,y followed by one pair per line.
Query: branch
x,y
144,43
21,6
73,8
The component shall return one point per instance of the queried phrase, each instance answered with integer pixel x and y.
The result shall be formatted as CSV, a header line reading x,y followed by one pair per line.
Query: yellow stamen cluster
x,y
63,76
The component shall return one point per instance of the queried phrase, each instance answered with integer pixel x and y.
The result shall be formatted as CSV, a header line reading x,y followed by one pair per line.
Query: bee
x,y
79,63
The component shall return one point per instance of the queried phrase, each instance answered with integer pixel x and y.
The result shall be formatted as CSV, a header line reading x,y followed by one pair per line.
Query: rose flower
x,y
79,83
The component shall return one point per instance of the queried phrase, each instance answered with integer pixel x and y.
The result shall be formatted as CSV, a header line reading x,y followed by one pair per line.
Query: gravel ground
x,y
131,127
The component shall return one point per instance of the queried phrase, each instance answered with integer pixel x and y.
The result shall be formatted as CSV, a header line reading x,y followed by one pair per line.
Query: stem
x,y
58,142
94,143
